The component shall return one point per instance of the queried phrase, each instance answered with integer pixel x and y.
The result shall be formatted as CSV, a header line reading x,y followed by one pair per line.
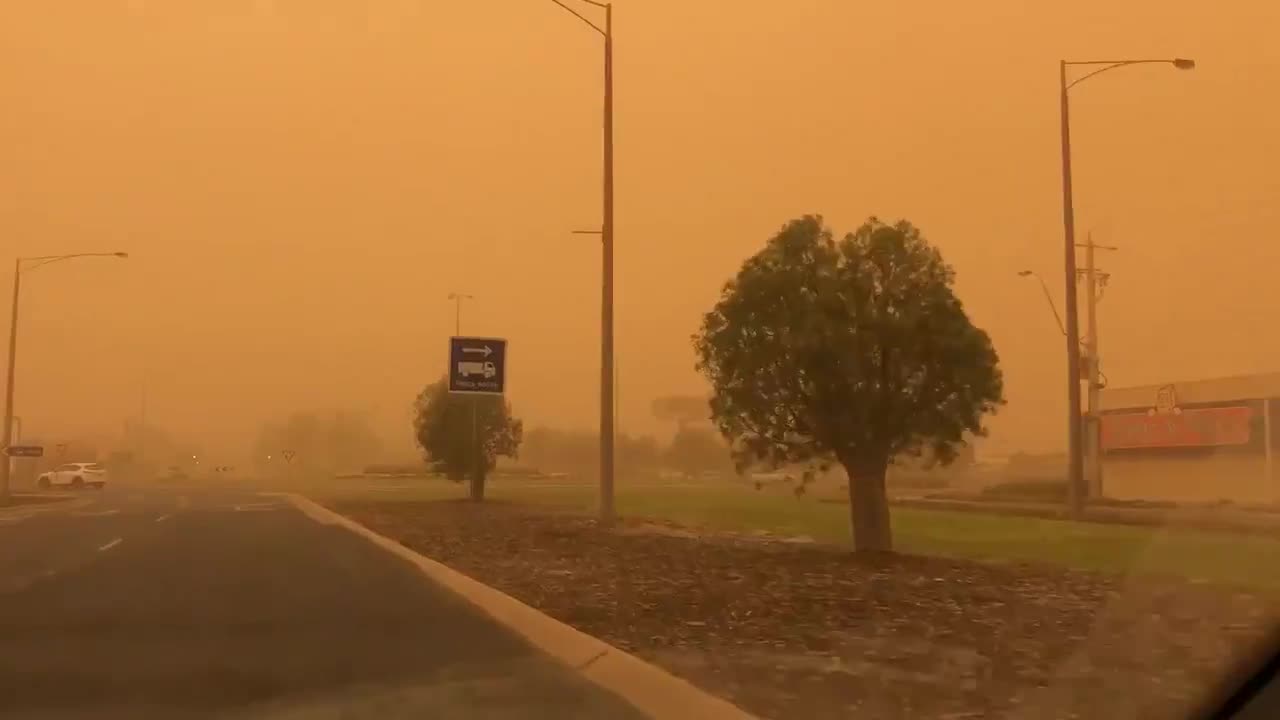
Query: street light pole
x,y
1076,488
606,290
1075,479
457,299
607,438
6,463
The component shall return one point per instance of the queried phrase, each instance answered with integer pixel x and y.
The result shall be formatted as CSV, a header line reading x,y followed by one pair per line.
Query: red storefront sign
x,y
1200,427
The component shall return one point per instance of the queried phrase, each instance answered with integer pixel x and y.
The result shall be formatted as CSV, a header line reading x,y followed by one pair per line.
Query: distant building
x,y
1196,441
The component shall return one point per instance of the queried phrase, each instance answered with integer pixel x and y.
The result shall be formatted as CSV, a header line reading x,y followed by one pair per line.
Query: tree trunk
x,y
869,507
477,486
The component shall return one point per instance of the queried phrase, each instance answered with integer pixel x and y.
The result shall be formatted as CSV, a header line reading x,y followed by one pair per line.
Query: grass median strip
x,y
796,630
1204,556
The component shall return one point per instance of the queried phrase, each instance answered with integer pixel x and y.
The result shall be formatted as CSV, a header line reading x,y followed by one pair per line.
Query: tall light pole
x,y
1076,489
457,299
606,295
31,264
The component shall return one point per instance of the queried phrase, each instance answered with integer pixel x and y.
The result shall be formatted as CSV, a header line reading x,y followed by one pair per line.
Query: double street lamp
x,y
606,295
20,266
1076,489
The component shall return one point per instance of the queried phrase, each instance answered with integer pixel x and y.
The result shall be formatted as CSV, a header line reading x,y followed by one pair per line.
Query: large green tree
x,y
856,351
464,435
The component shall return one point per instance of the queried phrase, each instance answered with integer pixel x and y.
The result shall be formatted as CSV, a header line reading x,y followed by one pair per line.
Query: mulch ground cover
x,y
801,631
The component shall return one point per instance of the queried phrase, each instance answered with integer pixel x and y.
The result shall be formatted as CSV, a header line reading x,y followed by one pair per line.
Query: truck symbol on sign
x,y
468,368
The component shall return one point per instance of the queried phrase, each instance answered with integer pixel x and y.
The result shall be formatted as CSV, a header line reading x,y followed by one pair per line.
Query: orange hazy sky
x,y
301,184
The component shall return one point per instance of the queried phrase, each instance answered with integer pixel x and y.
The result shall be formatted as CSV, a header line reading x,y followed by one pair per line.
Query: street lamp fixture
x,y
20,266
1076,489
1047,296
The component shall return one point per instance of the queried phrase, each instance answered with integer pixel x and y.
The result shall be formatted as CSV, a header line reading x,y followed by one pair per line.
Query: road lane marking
x,y
96,513
162,518
111,544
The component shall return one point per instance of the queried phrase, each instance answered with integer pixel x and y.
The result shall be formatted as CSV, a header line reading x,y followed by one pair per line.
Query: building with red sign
x,y
1198,441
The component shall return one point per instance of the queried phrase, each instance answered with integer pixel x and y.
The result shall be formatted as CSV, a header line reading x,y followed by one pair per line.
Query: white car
x,y
76,475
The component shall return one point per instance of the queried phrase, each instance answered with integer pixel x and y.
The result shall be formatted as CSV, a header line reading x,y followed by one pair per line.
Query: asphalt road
x,y
187,602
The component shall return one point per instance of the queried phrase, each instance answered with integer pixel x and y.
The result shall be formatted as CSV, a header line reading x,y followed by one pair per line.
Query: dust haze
x,y
301,184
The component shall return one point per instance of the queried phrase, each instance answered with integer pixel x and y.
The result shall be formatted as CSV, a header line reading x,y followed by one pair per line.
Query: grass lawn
x,y
1214,557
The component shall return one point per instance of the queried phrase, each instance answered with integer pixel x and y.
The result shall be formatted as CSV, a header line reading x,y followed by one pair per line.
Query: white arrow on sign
x,y
486,350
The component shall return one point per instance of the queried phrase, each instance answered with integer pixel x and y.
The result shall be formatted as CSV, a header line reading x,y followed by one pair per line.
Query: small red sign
x,y
1200,427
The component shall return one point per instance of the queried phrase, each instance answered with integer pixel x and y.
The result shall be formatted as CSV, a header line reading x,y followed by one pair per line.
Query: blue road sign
x,y
477,365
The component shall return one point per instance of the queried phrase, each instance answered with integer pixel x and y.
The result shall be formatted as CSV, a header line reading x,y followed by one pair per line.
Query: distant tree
x,y
638,452
578,452
695,450
569,451
856,351
318,441
682,409
463,435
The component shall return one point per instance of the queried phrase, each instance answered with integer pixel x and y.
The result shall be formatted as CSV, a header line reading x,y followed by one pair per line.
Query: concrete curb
x,y
650,689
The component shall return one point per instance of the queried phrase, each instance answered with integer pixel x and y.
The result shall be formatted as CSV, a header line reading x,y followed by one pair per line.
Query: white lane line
x,y
111,544
97,513
162,518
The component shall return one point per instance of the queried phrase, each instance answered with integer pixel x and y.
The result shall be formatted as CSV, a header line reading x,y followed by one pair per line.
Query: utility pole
x,y
1095,285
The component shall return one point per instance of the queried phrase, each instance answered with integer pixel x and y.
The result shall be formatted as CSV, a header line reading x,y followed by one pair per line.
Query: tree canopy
x,y
856,351
464,435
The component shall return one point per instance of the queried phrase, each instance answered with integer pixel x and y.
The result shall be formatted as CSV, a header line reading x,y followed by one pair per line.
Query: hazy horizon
x,y
302,183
